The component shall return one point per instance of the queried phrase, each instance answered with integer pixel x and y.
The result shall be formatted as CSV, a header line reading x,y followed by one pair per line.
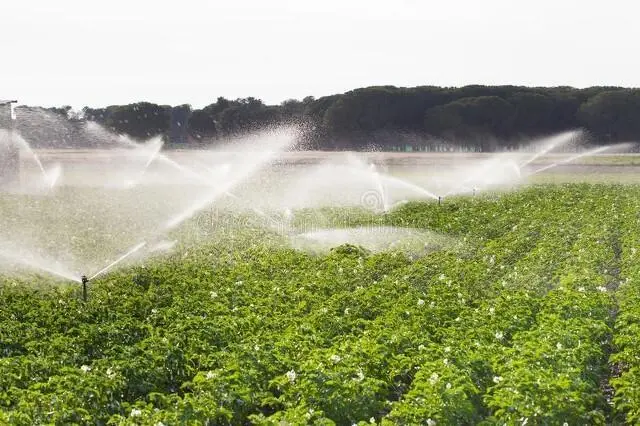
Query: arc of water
x,y
183,169
154,153
157,154
573,158
22,143
186,170
537,155
483,176
156,145
401,182
201,204
276,224
21,259
219,190
196,207
464,184
120,259
163,246
223,189
380,187
25,145
192,174
413,186
556,141
53,176
247,169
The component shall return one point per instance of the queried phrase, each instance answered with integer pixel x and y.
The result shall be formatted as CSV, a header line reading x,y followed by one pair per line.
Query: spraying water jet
x,y
552,143
572,158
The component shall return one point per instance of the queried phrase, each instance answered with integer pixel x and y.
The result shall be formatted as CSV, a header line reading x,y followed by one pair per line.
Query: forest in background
x,y
388,118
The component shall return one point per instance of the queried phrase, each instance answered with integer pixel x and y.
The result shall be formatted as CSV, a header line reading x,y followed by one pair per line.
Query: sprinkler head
x,y
84,280
439,200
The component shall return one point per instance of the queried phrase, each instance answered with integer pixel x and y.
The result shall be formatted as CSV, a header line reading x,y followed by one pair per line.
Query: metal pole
x,y
85,281
9,154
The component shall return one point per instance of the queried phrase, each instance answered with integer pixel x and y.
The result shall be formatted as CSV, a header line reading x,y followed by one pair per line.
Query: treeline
x,y
483,118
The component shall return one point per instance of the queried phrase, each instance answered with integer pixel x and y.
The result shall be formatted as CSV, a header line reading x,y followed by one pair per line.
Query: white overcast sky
x,y
89,52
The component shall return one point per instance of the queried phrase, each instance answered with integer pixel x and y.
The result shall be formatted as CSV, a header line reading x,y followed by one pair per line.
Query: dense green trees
x,y
473,117
140,120
614,114
387,117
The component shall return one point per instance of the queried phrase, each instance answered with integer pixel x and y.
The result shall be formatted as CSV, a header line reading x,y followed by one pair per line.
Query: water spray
x,y
553,142
573,158
84,280
120,259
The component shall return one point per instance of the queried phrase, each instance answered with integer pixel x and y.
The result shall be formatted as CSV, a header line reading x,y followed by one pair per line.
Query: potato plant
x,y
531,317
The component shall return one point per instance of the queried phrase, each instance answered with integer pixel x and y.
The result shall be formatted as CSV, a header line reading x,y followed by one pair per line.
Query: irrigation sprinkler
x,y
439,200
9,152
85,281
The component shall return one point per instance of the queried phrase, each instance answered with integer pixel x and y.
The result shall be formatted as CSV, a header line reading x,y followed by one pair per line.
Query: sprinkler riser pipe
x,y
85,281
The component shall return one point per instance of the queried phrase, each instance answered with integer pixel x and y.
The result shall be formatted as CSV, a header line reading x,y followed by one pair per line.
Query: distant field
x,y
74,155
95,167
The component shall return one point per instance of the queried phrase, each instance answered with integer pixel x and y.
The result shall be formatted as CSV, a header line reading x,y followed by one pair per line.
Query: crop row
x,y
512,325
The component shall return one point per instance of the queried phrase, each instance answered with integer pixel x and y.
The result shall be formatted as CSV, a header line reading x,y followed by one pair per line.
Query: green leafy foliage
x,y
532,319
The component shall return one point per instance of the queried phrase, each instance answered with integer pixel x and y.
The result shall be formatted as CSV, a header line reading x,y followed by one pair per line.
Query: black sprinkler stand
x,y
85,281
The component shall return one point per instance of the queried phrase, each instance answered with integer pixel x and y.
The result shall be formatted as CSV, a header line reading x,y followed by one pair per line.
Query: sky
x,y
98,53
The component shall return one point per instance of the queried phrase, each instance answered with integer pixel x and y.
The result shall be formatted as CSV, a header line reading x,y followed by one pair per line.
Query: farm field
x,y
92,166
521,309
